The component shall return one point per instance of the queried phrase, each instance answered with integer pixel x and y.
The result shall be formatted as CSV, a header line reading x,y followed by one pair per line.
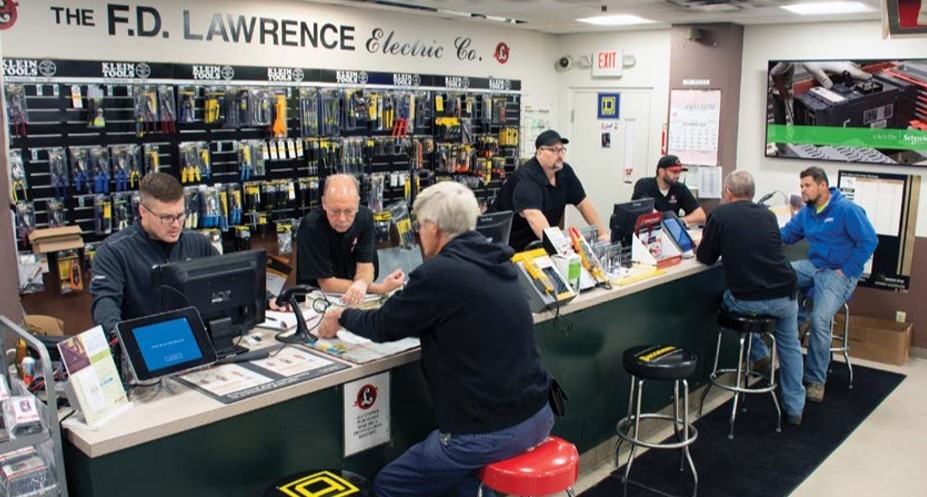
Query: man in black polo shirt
x,y
668,193
540,190
335,244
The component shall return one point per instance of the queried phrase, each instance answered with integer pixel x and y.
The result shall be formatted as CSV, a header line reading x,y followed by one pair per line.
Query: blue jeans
x,y
443,460
785,310
831,290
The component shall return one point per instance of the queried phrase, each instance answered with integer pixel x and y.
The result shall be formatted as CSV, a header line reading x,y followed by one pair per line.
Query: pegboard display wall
x,y
251,145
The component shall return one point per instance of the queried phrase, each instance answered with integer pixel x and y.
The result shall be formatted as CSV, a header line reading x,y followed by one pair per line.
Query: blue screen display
x,y
166,344
679,233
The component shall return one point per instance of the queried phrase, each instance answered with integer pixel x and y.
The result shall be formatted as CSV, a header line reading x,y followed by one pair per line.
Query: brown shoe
x,y
814,392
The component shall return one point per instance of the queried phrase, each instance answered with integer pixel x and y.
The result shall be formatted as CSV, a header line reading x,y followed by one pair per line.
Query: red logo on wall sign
x,y
502,52
7,14
366,397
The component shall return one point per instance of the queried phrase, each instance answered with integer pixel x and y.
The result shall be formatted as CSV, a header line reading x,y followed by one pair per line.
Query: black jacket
x,y
121,283
747,236
479,352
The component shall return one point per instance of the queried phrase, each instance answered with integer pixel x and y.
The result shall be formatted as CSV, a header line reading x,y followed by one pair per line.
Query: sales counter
x,y
185,443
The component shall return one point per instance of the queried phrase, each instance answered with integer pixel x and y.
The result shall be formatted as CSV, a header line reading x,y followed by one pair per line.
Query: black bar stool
x,y
744,325
664,363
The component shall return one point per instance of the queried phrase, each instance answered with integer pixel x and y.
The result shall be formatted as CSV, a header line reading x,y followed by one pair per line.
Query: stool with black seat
x,y
843,337
745,325
658,363
549,467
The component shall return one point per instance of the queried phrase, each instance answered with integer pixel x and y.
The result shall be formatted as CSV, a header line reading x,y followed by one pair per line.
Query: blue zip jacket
x,y
841,236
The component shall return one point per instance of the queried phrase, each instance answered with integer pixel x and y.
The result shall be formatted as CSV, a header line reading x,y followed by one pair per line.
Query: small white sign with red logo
x,y
366,413
607,64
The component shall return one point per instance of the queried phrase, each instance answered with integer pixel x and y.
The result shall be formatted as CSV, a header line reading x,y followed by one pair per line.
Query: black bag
x,y
557,398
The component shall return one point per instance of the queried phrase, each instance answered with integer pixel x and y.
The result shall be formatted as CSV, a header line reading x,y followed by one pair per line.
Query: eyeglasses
x,y
417,225
349,213
556,150
167,219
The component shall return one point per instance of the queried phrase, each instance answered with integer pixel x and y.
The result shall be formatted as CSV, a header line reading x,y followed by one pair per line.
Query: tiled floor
x,y
885,456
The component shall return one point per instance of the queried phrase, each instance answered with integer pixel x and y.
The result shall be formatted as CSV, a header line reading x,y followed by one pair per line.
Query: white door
x,y
602,169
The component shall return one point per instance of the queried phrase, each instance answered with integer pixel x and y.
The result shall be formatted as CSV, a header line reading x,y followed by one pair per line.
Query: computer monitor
x,y
496,226
229,291
624,218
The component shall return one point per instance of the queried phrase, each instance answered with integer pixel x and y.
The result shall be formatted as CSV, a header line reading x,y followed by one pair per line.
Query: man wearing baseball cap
x,y
539,191
668,193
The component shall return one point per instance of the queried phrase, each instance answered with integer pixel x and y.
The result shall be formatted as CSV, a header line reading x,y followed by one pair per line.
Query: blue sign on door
x,y
609,104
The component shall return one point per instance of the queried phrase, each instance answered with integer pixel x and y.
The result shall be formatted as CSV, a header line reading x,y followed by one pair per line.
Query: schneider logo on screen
x,y
902,139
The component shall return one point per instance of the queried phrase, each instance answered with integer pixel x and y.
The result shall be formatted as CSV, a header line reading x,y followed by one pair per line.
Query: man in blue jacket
x,y
480,358
841,240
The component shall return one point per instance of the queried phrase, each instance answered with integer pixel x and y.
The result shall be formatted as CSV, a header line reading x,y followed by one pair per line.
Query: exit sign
x,y
607,64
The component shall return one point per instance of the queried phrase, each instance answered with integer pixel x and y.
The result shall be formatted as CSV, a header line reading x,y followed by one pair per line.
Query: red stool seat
x,y
552,466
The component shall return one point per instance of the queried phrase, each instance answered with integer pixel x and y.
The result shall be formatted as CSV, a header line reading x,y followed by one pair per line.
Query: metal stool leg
x,y
740,362
712,376
637,425
846,340
773,353
629,417
685,430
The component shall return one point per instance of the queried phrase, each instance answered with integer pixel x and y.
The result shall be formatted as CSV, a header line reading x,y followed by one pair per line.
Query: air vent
x,y
723,5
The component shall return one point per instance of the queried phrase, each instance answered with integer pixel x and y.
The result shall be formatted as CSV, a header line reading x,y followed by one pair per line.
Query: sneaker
x,y
793,419
763,365
814,392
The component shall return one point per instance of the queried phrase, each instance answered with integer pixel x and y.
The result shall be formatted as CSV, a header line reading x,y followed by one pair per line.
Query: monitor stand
x,y
223,338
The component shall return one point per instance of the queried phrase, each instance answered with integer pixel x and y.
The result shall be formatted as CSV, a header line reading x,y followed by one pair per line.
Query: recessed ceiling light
x,y
615,20
821,8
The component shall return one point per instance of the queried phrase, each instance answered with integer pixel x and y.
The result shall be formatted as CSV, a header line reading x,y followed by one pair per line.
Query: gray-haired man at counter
x,y
491,402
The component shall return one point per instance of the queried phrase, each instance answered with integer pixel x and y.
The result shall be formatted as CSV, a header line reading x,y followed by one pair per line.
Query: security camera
x,y
564,63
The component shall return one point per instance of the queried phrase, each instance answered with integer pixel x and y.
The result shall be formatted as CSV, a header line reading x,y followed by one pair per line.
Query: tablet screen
x,y
165,344
678,231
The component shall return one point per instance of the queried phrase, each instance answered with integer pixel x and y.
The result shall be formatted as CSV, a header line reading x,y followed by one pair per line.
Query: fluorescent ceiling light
x,y
616,20
822,8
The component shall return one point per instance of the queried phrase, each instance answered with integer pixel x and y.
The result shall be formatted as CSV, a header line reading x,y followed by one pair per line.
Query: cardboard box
x,y
54,239
879,340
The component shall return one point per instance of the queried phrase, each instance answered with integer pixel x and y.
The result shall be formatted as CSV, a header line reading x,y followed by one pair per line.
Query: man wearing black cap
x,y
668,193
539,191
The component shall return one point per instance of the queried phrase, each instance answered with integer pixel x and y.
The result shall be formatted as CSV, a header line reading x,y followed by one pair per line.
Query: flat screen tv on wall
x,y
861,111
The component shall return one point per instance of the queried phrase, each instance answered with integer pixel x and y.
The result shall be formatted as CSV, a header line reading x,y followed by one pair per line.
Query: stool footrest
x,y
713,378
622,429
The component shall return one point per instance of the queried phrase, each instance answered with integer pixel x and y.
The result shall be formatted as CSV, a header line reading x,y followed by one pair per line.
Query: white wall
x,y
37,34
651,72
807,41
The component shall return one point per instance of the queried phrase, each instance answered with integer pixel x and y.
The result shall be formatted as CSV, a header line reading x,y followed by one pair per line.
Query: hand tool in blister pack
x,y
204,161
211,214
152,160
121,213
100,170
16,109
188,104
309,112
121,174
166,106
81,177
18,176
58,172
192,221
245,165
146,109
278,128
235,208
587,257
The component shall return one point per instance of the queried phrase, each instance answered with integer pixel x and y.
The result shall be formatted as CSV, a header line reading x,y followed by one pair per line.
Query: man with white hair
x,y
488,388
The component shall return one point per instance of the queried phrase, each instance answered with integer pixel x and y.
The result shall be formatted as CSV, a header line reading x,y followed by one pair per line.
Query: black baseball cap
x,y
549,138
669,162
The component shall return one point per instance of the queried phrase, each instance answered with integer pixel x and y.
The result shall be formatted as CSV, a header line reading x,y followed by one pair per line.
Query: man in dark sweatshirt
x,y
479,354
121,283
761,281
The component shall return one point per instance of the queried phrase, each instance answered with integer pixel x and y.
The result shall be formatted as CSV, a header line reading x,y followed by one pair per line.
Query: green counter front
x,y
187,444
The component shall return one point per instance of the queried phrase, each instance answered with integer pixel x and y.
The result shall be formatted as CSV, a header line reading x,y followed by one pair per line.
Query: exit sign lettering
x,y
607,64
